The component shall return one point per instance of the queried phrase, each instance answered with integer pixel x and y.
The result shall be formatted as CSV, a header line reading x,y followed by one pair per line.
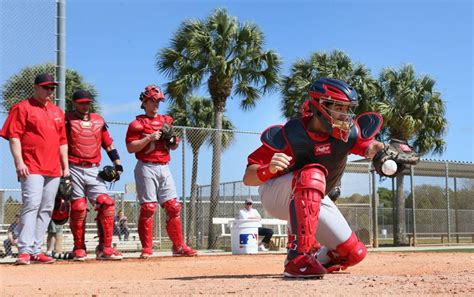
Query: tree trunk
x,y
399,237
192,221
216,172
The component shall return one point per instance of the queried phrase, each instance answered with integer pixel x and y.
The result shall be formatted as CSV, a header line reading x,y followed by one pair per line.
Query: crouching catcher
x,y
300,162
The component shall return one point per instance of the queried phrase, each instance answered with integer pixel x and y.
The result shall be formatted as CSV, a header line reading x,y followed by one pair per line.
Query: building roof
x,y
426,167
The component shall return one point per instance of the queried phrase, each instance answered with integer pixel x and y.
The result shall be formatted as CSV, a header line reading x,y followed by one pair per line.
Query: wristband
x,y
113,155
263,173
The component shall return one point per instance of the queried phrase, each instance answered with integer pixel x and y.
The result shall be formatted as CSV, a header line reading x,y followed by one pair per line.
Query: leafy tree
x,y
198,113
229,57
20,85
385,197
336,64
413,111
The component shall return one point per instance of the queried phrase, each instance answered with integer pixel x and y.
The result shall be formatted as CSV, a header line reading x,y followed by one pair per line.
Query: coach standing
x,y
36,132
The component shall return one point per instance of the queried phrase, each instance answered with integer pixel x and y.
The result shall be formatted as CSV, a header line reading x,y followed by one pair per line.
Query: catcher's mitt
x,y
398,151
168,134
110,173
65,187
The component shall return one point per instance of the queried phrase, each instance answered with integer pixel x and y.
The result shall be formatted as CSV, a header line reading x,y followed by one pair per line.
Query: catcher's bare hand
x,y
66,172
279,162
155,135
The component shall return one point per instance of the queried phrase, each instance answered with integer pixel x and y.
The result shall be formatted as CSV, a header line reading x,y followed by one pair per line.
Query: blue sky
x,y
113,45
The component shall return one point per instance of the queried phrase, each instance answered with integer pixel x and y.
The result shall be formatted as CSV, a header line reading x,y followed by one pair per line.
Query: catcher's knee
x,y
172,208
352,251
78,208
105,205
147,210
311,176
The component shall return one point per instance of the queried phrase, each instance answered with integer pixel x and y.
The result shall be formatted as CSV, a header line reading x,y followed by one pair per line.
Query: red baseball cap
x,y
45,79
80,96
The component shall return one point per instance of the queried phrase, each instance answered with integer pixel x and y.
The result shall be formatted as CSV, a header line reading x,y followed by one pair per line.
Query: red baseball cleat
x,y
79,255
23,259
304,266
184,251
42,259
108,254
146,254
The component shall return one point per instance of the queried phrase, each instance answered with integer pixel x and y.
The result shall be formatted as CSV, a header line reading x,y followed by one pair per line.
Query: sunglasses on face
x,y
248,203
48,88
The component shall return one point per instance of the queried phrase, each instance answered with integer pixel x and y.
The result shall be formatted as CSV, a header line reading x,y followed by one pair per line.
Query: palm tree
x,y
413,111
198,115
336,65
20,85
229,56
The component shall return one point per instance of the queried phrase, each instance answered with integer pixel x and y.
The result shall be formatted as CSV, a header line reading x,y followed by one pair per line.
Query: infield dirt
x,y
408,274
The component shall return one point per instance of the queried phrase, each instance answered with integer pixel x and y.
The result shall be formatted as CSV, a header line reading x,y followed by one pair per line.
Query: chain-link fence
x,y
444,208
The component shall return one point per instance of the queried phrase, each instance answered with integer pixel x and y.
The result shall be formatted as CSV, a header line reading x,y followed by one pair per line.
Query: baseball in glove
x,y
398,151
110,173
168,134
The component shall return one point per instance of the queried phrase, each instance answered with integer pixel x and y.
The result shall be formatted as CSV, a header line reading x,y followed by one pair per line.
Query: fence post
x,y
233,201
2,207
448,207
200,235
183,183
375,206
456,206
413,207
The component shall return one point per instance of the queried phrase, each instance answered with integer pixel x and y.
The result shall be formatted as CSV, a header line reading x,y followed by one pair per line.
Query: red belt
x,y
156,163
86,164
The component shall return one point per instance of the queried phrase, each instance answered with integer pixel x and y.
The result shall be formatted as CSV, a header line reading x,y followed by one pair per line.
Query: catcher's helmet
x,y
61,209
65,187
332,101
152,92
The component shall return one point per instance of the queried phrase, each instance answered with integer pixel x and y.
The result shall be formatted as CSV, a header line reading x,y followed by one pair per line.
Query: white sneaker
x,y
262,248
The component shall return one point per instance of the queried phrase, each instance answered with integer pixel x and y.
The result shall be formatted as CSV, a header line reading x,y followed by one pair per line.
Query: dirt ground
x,y
408,274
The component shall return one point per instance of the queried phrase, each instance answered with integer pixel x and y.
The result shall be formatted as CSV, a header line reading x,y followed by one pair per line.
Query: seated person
x,y
12,236
120,226
250,213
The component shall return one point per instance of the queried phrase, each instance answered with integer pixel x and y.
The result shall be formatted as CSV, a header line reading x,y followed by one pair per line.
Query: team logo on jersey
x,y
322,149
86,124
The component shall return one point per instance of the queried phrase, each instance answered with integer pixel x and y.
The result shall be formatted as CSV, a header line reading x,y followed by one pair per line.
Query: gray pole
x,y
456,206
61,53
2,207
448,206
413,207
375,205
183,183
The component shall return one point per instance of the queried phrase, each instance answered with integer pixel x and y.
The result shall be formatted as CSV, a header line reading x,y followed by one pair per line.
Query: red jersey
x,y
156,151
41,131
86,137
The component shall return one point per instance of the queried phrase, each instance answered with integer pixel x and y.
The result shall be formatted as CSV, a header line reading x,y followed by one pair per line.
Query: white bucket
x,y
244,235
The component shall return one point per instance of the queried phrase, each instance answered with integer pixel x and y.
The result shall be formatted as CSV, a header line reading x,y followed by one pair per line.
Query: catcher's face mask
x,y
339,115
332,103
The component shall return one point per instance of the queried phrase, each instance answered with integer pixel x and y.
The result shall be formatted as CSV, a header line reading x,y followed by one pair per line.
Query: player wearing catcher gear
x,y
301,162
87,133
150,137
35,129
